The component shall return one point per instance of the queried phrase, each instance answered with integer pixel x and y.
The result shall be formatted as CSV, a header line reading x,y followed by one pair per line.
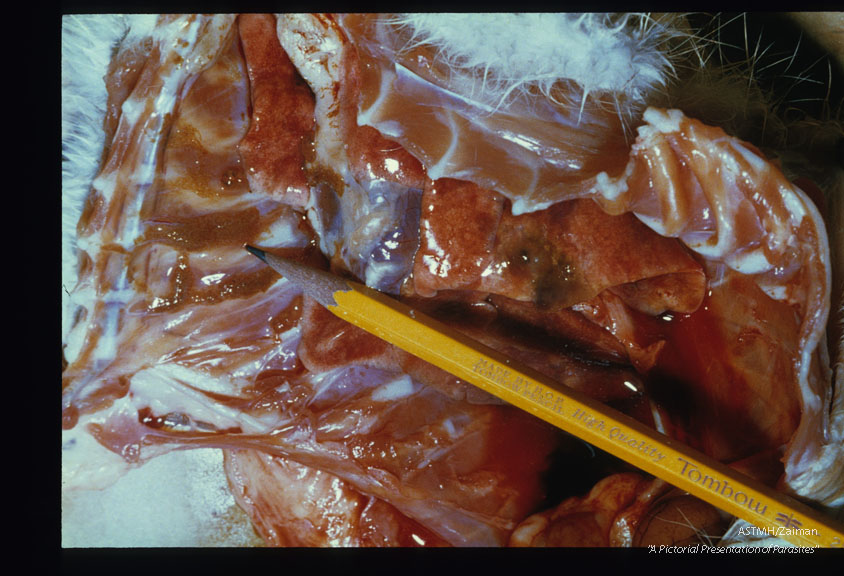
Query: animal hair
x,y
88,44
613,59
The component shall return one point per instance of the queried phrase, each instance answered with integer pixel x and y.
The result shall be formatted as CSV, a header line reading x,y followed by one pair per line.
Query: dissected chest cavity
x,y
679,278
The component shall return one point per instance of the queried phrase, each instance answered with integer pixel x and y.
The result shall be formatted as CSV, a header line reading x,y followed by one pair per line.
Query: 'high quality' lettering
x,y
620,436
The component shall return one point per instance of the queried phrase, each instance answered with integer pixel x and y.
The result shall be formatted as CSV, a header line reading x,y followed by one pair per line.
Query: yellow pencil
x,y
773,512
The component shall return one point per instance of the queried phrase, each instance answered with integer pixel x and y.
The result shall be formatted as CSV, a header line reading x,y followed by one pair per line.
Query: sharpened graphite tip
x,y
256,252
318,284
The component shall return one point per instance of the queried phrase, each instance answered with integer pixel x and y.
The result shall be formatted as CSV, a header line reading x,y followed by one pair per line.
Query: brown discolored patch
x,y
193,233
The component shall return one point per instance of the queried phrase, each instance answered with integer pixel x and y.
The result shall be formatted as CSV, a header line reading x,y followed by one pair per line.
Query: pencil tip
x,y
319,284
256,252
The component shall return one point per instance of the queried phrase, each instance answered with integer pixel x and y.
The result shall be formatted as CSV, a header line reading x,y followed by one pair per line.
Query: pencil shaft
x,y
773,512
605,428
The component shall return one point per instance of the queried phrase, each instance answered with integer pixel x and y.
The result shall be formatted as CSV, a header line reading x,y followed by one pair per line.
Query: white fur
x,y
88,43
620,56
